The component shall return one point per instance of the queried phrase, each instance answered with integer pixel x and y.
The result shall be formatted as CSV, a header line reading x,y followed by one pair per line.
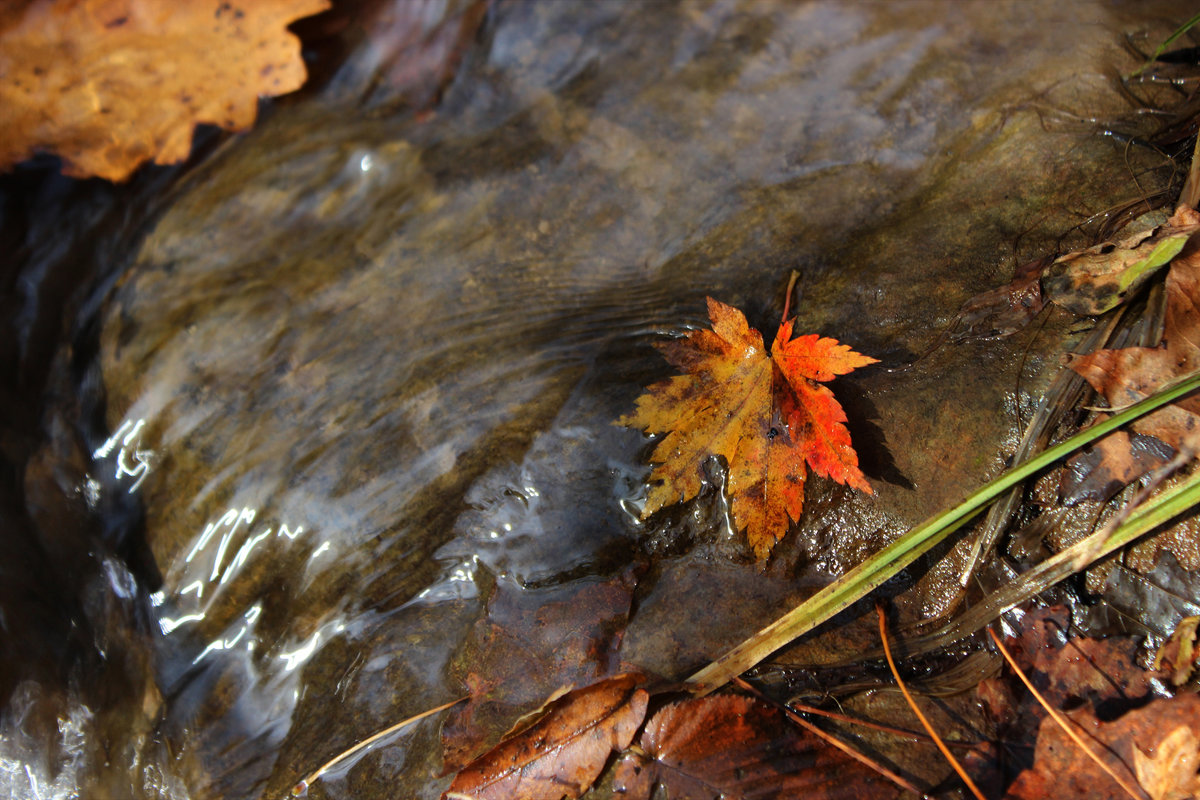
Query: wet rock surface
x,y
363,369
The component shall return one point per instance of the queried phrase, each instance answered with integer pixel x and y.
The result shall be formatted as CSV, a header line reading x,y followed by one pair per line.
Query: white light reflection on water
x,y
301,654
458,584
189,604
132,459
230,642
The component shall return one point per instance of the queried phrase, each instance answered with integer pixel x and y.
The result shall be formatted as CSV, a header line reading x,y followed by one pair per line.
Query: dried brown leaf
x,y
736,746
562,754
1067,670
1109,465
1062,770
110,85
531,643
1168,772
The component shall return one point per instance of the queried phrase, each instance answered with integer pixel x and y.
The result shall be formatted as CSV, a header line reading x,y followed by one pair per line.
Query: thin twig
x,y
887,651
1062,722
866,723
831,739
302,787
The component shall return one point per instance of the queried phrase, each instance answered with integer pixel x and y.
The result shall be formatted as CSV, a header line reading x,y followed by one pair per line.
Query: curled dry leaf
x,y
736,746
562,753
1179,656
764,412
1169,771
110,85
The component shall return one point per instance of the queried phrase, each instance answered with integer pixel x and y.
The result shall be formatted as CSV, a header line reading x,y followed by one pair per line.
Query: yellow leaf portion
x,y
109,85
763,412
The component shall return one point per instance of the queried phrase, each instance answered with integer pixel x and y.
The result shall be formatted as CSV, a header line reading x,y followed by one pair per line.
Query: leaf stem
x,y
787,298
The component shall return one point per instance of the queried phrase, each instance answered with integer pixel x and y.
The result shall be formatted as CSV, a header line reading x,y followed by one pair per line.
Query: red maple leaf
x,y
764,412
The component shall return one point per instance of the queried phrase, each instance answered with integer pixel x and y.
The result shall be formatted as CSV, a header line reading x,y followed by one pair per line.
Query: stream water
x,y
283,422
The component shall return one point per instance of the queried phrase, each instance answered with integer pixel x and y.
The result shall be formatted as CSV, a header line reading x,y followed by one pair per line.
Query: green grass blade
x,y
1170,40
869,575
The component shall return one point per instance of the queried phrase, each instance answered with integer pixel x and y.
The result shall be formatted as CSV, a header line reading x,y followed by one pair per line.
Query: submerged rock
x,y
364,368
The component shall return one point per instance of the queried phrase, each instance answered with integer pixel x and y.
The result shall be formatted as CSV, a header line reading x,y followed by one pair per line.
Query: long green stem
x,y
868,576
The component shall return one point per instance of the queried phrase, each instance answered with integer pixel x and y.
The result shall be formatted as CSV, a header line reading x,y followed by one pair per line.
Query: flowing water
x,y
313,401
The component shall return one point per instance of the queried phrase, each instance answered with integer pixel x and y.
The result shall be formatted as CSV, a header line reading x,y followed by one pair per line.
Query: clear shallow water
x,y
361,370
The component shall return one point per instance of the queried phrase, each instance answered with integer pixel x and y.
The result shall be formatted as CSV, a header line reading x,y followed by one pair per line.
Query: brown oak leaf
x,y
765,412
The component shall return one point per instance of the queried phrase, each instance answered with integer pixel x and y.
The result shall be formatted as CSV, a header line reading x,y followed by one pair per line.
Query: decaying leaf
x,y
530,643
1133,373
1169,771
1066,670
764,412
1147,739
562,753
1109,465
1100,278
110,85
1003,311
736,746
1179,656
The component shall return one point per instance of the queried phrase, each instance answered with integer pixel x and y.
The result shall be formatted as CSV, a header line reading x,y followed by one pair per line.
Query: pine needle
x,y
887,651
1062,721
300,788
862,758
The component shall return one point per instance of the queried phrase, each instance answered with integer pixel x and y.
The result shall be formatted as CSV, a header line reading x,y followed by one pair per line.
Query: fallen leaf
x,y
1100,278
1169,773
765,413
1178,657
1159,593
1131,374
1004,311
530,643
563,752
1062,770
1109,465
110,85
736,746
1066,670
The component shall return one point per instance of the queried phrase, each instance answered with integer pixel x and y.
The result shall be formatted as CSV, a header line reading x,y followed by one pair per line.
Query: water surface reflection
x,y
361,373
